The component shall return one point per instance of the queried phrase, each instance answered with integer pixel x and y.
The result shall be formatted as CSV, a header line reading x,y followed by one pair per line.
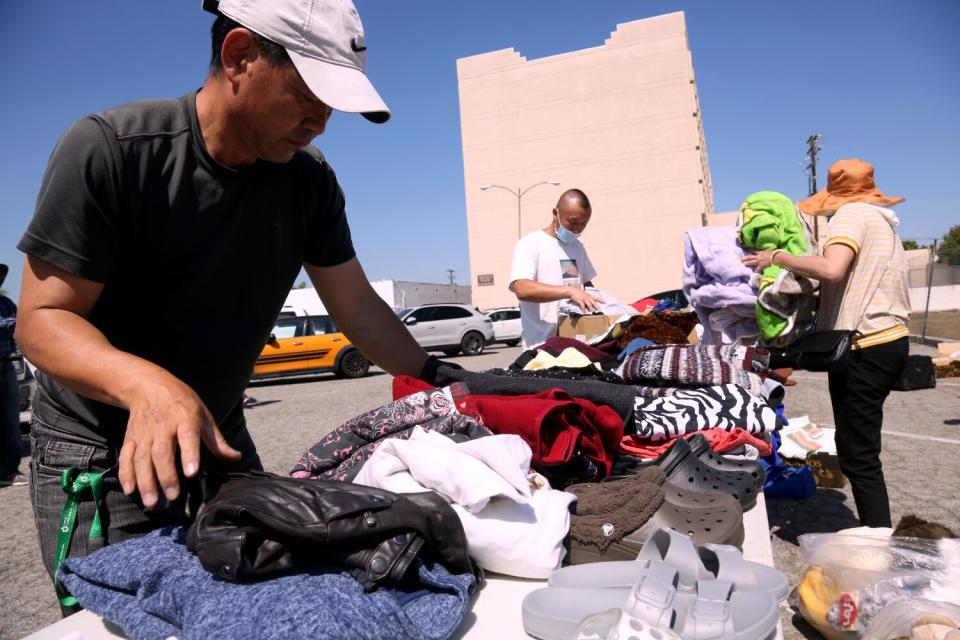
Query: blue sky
x,y
879,78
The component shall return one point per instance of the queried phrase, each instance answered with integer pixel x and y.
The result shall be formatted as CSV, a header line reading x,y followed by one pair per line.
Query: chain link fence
x,y
942,274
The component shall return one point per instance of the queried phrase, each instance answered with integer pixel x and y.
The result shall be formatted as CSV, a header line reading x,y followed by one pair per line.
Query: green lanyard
x,y
76,484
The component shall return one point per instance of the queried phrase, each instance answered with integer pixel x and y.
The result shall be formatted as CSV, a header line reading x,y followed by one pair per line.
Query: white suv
x,y
506,325
450,328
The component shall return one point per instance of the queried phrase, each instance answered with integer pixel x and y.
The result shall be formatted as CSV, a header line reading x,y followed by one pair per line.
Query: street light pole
x,y
518,194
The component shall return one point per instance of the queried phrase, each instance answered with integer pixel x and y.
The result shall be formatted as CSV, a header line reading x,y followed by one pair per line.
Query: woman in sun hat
x,y
862,274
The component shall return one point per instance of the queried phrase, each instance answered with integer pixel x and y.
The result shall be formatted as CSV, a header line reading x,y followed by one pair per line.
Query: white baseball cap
x,y
324,39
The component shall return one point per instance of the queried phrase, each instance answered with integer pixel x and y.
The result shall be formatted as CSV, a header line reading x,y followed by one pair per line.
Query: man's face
x,y
572,216
279,113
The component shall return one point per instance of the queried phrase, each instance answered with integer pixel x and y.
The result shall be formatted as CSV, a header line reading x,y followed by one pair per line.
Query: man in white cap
x,y
166,237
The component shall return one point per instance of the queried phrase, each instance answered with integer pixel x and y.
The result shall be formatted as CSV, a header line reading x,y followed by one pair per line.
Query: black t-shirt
x,y
196,258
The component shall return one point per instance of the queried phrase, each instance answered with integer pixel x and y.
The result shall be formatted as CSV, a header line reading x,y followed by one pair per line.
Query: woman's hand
x,y
759,260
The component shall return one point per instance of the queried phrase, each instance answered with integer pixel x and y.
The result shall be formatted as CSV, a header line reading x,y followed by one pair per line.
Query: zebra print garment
x,y
724,407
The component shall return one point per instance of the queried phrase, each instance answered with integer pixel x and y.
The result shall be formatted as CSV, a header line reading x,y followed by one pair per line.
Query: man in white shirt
x,y
550,265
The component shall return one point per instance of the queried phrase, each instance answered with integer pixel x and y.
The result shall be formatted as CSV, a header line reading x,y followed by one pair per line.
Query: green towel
x,y
768,221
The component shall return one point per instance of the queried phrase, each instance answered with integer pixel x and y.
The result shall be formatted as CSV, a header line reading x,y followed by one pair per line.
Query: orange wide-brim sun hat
x,y
848,181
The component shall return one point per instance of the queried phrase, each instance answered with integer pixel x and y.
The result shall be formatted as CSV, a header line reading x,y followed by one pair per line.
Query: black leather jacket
x,y
260,524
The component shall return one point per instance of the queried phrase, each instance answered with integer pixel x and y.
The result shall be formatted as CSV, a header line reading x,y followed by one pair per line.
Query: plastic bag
x,y
852,579
916,619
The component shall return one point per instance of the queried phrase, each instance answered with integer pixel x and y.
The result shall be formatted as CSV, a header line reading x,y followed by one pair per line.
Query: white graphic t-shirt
x,y
539,256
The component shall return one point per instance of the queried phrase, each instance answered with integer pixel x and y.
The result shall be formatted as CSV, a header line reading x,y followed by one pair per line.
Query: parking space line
x,y
823,379
916,436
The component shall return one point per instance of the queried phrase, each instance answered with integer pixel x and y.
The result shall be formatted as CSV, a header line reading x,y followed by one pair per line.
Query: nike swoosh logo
x,y
357,47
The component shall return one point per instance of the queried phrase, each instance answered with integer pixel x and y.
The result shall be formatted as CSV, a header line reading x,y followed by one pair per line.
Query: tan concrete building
x,y
620,121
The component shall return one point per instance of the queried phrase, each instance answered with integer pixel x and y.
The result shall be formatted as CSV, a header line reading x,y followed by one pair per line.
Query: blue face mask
x,y
564,235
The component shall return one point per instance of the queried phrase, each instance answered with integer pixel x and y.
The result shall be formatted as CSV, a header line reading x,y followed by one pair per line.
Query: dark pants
x,y
9,420
122,517
857,395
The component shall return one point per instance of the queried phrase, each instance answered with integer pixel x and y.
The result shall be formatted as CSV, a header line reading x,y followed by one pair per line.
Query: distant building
x,y
620,121
396,293
401,293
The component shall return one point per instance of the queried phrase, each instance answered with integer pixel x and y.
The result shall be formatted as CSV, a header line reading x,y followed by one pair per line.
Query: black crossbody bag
x,y
823,350
815,351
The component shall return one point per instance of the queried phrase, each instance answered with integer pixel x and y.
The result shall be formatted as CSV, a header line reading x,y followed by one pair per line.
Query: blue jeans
x,y
10,451
122,517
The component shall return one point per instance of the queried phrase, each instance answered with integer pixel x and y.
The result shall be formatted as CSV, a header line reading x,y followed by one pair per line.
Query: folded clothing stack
x,y
153,587
697,366
259,524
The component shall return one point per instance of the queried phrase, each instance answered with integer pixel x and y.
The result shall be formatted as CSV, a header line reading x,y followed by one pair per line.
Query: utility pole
x,y
812,150
450,275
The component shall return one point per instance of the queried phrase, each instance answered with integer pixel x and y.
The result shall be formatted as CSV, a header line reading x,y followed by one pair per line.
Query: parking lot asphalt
x,y
921,447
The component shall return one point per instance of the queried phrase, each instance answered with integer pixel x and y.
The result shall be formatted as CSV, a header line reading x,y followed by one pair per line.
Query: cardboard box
x,y
947,349
946,365
584,328
825,468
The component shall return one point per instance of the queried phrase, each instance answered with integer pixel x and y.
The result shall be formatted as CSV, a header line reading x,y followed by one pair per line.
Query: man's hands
x,y
587,301
163,416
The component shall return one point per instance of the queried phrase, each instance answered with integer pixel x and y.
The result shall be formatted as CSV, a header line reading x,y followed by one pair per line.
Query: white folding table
x,y
495,613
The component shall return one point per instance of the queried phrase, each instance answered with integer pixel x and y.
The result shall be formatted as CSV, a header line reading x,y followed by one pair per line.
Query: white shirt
x,y
514,522
540,257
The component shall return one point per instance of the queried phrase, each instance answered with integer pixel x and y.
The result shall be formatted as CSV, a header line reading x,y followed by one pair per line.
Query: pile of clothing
x,y
736,305
574,454
718,285
786,301
289,558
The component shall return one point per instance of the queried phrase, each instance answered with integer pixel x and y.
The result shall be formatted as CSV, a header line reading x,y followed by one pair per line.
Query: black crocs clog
x,y
700,447
685,471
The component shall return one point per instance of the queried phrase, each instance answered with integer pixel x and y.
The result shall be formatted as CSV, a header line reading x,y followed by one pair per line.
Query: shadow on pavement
x,y
801,625
824,512
262,403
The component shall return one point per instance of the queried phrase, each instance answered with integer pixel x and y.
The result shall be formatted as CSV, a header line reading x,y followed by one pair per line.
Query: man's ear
x,y
238,50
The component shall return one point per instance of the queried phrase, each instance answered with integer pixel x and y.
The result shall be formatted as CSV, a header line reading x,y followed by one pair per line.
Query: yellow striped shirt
x,y
873,298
